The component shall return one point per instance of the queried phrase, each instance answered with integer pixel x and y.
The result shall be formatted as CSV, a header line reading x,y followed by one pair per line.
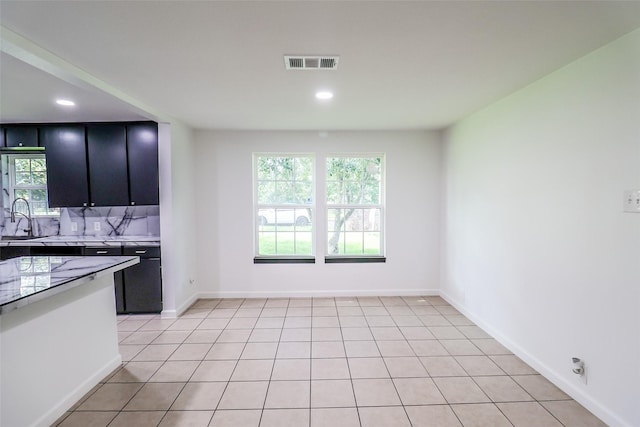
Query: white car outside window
x,y
284,216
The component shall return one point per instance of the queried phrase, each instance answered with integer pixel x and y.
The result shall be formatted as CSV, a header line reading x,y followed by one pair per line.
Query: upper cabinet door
x,y
66,165
142,147
107,154
21,136
2,144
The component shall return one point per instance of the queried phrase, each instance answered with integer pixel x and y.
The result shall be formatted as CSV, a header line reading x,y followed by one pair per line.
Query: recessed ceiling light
x,y
65,102
324,95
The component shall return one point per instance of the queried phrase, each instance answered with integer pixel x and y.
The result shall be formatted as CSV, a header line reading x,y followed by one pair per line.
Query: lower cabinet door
x,y
143,287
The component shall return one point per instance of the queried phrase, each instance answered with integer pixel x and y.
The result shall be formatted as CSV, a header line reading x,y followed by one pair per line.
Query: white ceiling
x,y
219,65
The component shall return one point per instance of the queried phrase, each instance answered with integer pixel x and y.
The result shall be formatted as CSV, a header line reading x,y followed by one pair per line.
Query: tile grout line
x,y
391,377
266,394
234,368
353,390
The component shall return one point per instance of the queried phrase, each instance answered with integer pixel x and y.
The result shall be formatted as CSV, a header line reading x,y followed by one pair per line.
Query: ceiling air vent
x,y
299,62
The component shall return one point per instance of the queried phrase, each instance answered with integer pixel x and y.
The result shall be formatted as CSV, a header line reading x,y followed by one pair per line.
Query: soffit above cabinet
x,y
28,94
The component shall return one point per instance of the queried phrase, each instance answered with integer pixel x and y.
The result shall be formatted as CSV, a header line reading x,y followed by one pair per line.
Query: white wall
x,y
226,220
177,217
538,250
54,351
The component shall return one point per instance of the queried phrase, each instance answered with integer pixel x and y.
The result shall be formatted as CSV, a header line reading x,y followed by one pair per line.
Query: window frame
x,y
381,205
12,185
257,207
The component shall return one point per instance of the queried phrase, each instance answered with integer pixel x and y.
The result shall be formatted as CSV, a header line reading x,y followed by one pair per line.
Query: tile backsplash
x,y
111,221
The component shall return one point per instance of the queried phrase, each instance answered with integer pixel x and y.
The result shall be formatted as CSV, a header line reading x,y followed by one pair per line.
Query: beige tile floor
x,y
315,362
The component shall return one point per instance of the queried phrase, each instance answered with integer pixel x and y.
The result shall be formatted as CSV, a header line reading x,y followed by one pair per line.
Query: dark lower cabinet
x,y
143,281
118,277
143,290
138,288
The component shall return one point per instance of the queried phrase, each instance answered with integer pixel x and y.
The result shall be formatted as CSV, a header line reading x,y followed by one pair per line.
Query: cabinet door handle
x,y
141,252
102,252
133,203
84,204
93,204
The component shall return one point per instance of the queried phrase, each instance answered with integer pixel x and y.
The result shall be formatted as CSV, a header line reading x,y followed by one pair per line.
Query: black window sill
x,y
284,260
353,259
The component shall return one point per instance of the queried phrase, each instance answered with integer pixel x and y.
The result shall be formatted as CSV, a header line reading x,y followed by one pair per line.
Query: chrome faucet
x,y
14,212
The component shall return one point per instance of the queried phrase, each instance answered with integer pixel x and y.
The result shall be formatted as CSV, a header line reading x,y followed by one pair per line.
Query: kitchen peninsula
x,y
138,289
58,334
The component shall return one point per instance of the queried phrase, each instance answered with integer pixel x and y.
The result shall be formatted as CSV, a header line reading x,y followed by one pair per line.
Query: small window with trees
x,y
28,180
284,206
355,206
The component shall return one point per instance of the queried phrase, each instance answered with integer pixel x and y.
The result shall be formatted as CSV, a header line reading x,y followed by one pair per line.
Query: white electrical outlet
x,y
632,201
96,226
74,226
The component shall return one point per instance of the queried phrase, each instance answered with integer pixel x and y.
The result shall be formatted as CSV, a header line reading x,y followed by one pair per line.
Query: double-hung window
x,y
284,206
27,179
355,206
352,210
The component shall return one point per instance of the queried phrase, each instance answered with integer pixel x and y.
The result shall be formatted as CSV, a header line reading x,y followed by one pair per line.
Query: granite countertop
x,y
86,241
25,280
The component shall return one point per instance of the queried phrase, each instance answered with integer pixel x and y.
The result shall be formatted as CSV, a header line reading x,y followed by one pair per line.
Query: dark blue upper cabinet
x,y
66,165
107,154
142,149
98,164
21,136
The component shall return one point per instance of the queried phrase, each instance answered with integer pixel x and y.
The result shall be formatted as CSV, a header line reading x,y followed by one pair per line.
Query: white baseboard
x,y
172,314
316,293
577,394
72,398
168,314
